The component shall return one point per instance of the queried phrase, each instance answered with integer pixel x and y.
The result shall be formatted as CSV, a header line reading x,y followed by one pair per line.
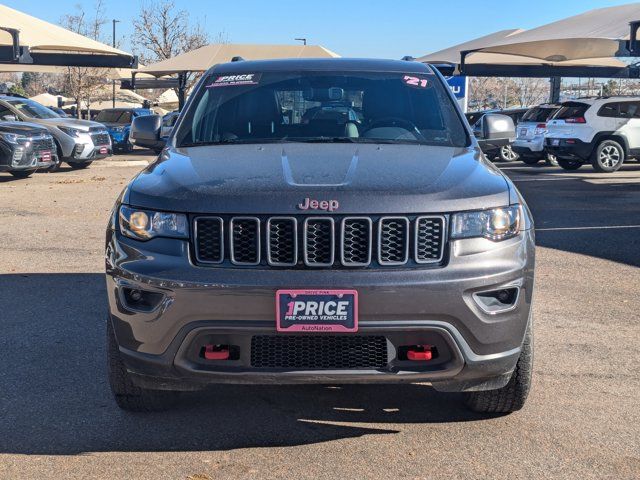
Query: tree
x,y
160,32
16,89
83,83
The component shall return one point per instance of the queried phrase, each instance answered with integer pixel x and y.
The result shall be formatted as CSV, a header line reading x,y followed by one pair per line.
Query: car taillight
x,y
575,120
541,129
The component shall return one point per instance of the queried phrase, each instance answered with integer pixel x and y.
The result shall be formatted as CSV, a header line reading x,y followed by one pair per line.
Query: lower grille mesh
x,y
318,352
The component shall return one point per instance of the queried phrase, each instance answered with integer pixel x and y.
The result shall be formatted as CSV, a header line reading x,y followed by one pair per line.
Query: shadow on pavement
x,y
562,209
54,398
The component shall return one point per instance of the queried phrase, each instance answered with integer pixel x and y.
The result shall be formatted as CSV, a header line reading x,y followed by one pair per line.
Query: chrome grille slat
x,y
314,241
319,242
208,235
244,240
393,240
356,241
282,241
429,233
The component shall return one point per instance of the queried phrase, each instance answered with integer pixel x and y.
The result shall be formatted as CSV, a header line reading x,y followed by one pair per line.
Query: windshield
x,y
114,116
358,107
32,109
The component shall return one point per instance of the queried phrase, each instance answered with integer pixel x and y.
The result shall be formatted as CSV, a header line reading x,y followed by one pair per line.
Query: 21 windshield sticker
x,y
415,82
235,80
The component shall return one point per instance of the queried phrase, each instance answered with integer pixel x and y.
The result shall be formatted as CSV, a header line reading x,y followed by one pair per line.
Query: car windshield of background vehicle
x,y
359,107
113,116
33,109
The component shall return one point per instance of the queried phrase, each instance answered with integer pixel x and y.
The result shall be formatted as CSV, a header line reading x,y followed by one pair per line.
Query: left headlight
x,y
146,224
496,224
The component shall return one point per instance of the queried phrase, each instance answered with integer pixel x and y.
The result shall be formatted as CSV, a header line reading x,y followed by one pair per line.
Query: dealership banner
x,y
459,86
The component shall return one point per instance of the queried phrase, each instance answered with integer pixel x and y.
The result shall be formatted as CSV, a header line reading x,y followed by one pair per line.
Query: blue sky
x,y
357,28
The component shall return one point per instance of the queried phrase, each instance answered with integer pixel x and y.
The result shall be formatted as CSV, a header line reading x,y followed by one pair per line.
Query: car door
x,y
629,125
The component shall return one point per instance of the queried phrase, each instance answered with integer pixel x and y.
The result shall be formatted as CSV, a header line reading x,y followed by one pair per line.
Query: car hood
x,y
21,128
111,125
68,122
275,178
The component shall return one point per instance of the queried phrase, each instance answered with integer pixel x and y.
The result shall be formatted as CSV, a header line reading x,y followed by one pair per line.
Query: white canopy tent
x,y
203,58
28,40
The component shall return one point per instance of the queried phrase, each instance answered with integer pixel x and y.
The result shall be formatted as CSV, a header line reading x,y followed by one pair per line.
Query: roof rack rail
x,y
237,58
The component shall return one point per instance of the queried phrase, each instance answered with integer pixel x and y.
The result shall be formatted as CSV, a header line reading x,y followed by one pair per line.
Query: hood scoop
x,y
306,171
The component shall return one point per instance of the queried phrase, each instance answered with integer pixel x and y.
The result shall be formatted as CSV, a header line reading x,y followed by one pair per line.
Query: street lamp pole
x,y
113,84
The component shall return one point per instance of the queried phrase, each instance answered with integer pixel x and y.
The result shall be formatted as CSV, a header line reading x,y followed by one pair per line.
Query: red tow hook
x,y
419,353
216,352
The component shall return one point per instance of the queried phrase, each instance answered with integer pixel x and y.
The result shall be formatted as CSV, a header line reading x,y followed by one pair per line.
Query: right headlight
x,y
496,224
72,132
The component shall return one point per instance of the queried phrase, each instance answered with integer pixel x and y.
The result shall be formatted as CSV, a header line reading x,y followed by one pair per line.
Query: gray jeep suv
x,y
371,243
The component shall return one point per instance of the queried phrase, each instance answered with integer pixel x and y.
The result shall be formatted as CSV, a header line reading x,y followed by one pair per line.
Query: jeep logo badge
x,y
310,204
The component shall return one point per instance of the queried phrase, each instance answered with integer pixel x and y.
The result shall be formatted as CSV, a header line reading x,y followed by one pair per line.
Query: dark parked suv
x,y
268,246
25,148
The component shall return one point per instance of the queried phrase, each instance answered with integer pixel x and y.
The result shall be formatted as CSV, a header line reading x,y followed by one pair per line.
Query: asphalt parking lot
x,y
58,420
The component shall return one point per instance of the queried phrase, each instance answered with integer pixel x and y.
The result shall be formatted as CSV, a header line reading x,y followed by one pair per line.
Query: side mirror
x,y
9,118
146,128
498,127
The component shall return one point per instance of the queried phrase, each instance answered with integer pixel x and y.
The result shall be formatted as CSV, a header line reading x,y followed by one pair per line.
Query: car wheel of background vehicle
x,y
530,159
79,165
569,164
22,174
608,157
128,146
129,396
513,395
58,163
507,154
551,160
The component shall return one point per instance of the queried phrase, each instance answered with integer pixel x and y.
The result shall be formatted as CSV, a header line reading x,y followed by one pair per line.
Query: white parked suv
x,y
602,130
531,132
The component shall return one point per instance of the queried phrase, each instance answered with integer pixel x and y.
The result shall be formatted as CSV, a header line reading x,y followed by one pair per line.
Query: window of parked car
x,y
366,107
114,116
32,109
620,110
571,110
630,109
538,114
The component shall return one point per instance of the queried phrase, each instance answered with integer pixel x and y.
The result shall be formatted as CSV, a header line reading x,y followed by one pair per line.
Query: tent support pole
x,y
554,90
182,87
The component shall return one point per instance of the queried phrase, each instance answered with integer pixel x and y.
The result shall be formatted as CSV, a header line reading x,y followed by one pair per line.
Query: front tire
x,y
569,164
128,396
79,165
608,157
513,395
507,154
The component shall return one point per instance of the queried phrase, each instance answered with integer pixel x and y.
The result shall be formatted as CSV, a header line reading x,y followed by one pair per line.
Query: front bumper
x,y
229,306
570,148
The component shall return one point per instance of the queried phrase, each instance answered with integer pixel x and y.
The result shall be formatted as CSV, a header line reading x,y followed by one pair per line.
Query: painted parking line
x,y
131,163
599,227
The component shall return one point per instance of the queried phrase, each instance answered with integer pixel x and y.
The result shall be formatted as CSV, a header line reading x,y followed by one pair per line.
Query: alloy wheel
x,y
609,156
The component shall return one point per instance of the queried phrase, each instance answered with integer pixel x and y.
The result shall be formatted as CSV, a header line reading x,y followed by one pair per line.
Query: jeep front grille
x,y
319,242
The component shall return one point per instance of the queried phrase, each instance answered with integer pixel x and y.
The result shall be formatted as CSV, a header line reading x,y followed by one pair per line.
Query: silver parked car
x,y
372,243
531,132
79,142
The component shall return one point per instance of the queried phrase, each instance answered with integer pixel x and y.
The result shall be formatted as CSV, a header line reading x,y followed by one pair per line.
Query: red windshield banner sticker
x,y
234,80
415,82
